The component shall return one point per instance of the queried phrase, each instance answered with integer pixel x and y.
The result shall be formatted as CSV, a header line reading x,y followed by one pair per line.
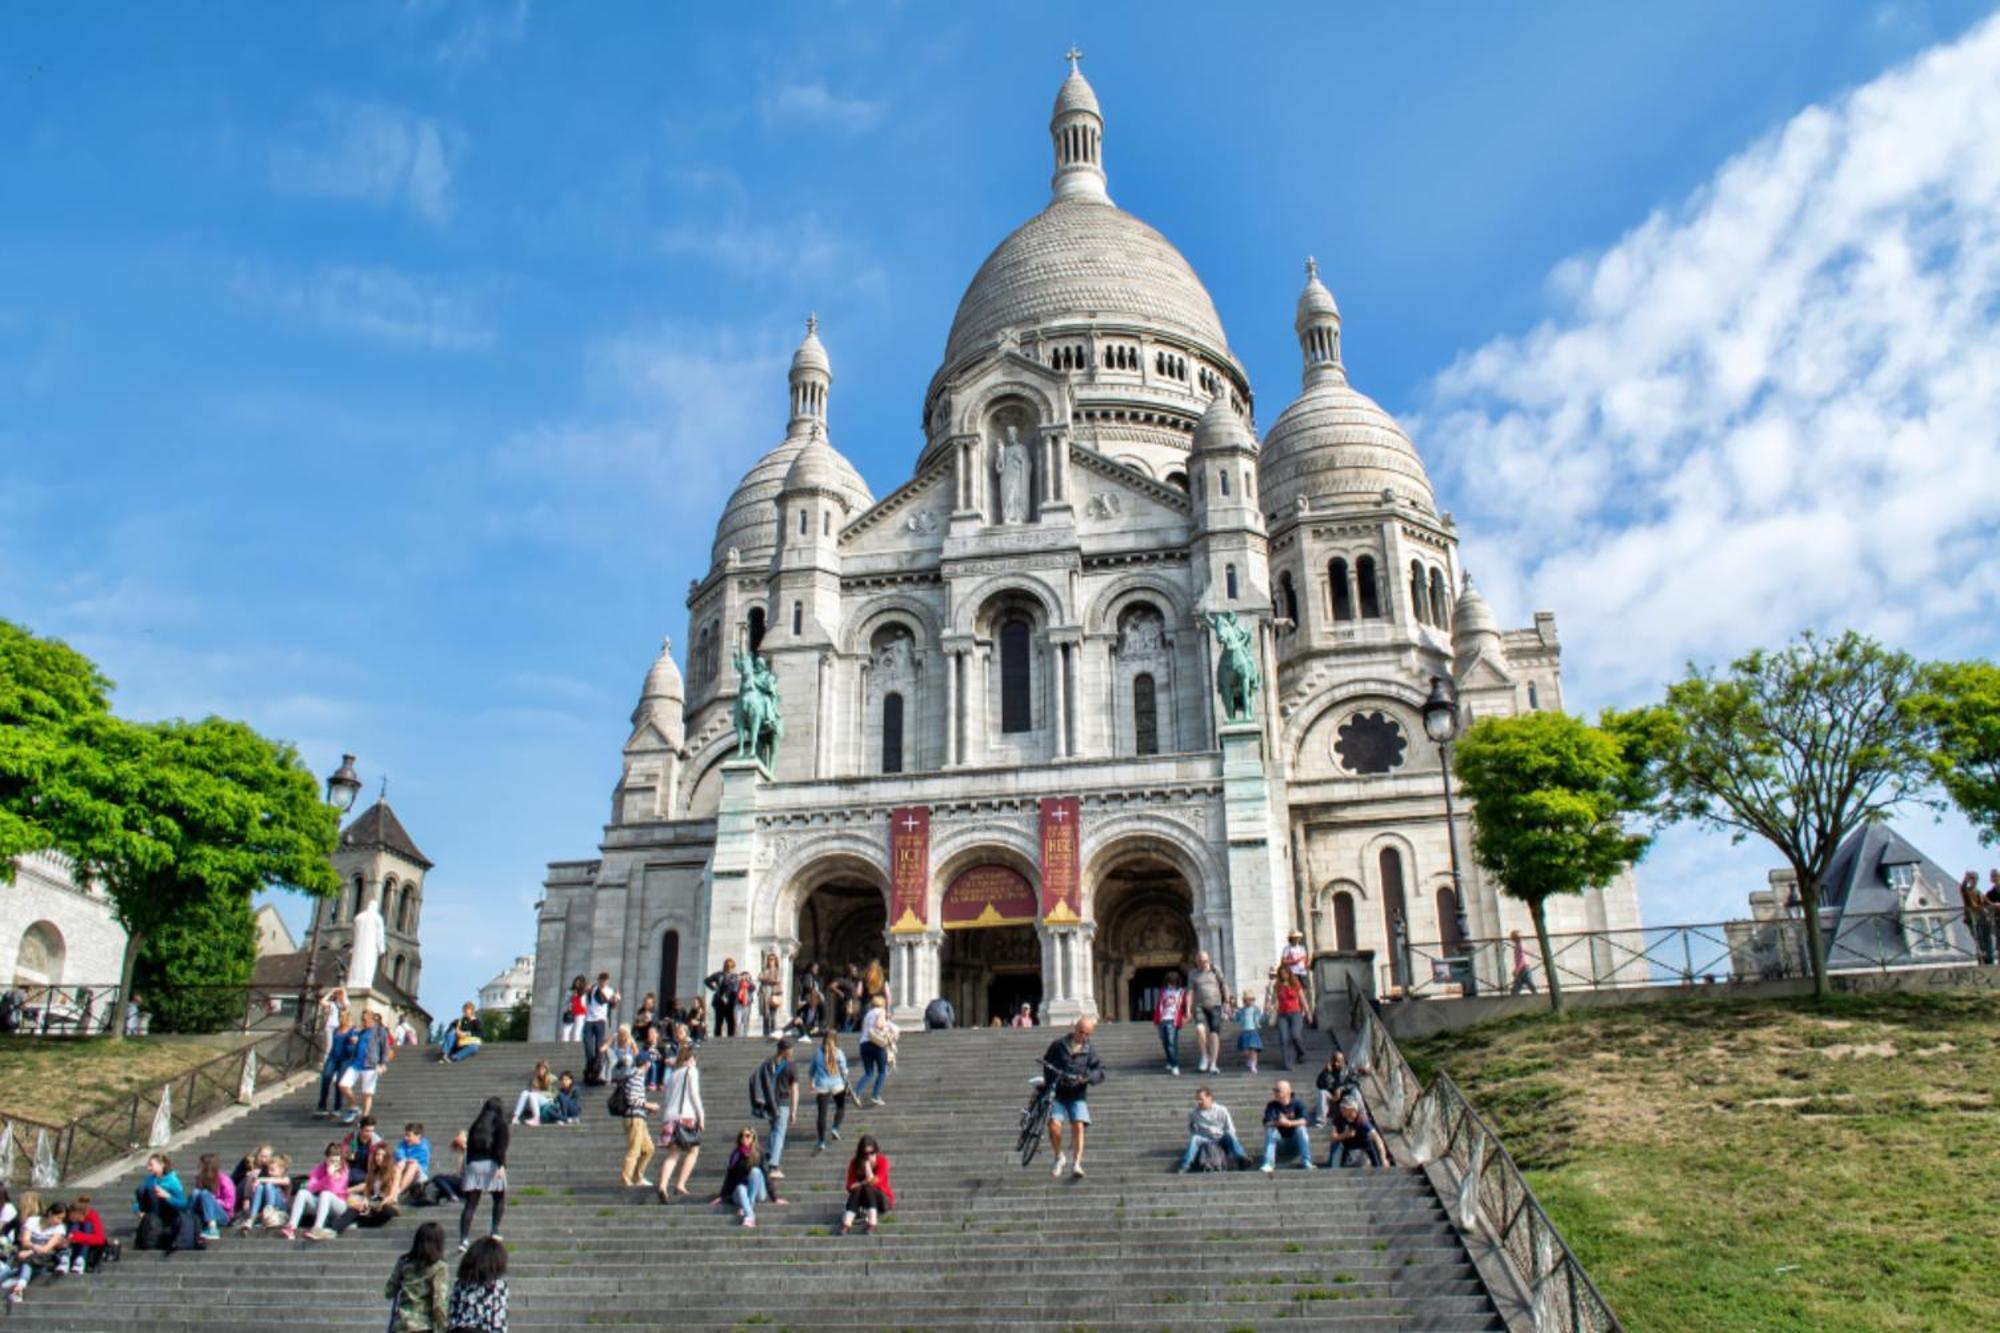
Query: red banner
x,y
909,867
1062,878
988,896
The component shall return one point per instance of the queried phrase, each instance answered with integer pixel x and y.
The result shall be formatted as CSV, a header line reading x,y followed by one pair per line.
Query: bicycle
x,y
1035,1115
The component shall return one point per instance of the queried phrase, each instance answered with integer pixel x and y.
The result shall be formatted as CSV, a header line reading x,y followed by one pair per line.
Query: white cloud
x,y
676,416
813,104
1772,407
482,31
375,302
371,152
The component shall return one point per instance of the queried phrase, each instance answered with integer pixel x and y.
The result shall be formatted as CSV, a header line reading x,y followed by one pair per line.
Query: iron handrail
x,y
1441,1124
1702,953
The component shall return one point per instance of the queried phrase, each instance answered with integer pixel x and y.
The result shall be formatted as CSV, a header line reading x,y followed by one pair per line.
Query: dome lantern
x,y
811,378
1318,327
1077,127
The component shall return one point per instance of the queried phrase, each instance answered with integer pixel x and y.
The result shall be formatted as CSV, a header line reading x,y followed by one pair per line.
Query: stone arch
x,y
1326,914
971,610
702,785
977,407
39,958
958,846
1101,615
1403,696
817,859
1136,834
860,626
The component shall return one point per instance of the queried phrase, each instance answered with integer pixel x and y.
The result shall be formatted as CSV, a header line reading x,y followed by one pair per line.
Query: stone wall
x,y
88,944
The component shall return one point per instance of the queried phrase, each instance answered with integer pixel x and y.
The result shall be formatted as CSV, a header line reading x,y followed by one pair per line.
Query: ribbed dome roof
x,y
1221,427
1336,442
663,681
812,352
1474,628
1075,95
1082,258
750,520
821,467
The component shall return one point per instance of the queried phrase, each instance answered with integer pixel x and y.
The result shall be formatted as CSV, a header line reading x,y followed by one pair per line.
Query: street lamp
x,y
342,788
1441,722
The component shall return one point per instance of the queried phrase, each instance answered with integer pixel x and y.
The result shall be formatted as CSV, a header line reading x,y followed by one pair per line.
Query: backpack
x,y
1209,1157
618,1104
763,1091
152,1233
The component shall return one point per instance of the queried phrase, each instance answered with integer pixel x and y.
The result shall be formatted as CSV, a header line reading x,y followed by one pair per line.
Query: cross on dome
x,y
1072,55
812,323
1312,269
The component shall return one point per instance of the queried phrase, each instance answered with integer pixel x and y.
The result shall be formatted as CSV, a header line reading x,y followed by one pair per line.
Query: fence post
x,y
1687,958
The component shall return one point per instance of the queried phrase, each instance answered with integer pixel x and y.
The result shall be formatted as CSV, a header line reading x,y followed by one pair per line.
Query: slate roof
x,y
1859,905
378,826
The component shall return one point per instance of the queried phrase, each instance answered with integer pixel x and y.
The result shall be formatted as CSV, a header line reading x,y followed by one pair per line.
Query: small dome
x,y
1474,628
1315,302
663,681
1221,427
749,522
1075,95
811,355
820,467
1336,443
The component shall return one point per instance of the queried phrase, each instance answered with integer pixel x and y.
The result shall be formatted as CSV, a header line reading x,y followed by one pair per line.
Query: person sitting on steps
x,y
461,1039
868,1190
214,1196
325,1193
746,1183
1355,1138
1285,1120
1211,1127
541,1089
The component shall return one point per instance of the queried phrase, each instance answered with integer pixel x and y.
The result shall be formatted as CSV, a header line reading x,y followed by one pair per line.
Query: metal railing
x,y
84,1009
45,1153
1706,954
1439,1124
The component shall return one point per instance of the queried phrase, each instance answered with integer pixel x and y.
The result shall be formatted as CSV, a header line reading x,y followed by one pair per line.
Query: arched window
x,y
1343,591
1222,475
1419,594
892,733
1440,601
670,968
1229,581
1288,598
406,915
360,888
805,517
1016,700
1371,592
39,960
1534,696
1145,715
1178,478
1343,921
826,524
1447,905
396,971
1394,909
798,617
756,627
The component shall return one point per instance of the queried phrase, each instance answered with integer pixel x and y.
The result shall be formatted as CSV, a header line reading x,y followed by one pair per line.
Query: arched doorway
x,y
669,992
843,920
990,963
1144,908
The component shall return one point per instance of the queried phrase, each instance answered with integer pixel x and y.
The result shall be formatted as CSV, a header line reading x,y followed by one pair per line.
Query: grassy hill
x,y
1768,1165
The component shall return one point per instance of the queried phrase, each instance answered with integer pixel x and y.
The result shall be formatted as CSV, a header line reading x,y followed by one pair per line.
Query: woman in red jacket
x,y
86,1238
868,1191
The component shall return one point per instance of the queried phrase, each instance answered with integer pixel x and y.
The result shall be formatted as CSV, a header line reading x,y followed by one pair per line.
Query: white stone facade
x,y
1026,617
55,931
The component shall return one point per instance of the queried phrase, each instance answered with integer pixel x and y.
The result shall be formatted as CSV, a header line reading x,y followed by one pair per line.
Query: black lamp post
x,y
1441,722
342,788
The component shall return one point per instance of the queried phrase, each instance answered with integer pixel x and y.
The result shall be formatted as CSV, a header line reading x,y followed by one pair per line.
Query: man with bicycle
x,y
1072,1063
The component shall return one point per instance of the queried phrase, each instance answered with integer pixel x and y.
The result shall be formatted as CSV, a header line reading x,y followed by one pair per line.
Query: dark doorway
x,y
1143,991
1009,991
670,969
990,971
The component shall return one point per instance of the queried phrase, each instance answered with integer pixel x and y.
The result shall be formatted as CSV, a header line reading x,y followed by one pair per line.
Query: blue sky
x,y
374,372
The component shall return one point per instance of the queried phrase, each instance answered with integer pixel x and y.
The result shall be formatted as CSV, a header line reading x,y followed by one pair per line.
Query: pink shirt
x,y
323,1181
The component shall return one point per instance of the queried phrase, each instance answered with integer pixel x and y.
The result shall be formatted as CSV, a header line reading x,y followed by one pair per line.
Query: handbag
x,y
686,1133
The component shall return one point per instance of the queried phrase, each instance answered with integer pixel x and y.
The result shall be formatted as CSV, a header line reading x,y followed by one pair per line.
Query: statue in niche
x,y
1144,636
1011,471
893,656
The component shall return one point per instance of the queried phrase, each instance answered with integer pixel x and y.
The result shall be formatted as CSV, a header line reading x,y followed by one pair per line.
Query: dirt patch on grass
x,y
1842,1051
56,1079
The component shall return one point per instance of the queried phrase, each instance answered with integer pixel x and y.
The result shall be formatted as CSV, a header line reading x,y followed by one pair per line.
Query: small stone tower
x,y
378,862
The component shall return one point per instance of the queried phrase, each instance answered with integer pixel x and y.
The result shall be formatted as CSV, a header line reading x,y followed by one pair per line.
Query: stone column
x,y
1060,662
951,658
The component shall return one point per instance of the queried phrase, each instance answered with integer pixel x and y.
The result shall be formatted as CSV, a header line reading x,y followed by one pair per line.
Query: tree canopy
x,y
1550,795
1799,747
1958,704
166,815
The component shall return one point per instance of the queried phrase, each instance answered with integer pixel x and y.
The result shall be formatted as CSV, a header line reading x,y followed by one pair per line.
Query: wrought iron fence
x,y
45,1153
1439,1124
83,1009
1706,954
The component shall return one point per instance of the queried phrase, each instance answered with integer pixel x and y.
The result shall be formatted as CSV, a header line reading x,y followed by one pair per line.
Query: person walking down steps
x,y
485,1172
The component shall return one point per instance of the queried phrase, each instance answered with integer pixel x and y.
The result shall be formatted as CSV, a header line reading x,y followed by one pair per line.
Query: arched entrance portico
x,y
1144,908
843,920
990,959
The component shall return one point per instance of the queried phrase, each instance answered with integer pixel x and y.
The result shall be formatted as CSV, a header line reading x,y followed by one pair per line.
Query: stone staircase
x,y
976,1241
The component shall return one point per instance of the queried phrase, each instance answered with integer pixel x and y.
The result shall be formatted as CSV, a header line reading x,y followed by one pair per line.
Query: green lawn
x,y
1767,1165
57,1079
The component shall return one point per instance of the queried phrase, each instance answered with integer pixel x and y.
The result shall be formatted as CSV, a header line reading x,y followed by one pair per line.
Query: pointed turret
x,y
1318,327
1475,632
811,377
662,699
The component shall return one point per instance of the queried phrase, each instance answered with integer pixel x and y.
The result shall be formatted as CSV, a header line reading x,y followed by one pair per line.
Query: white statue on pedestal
x,y
1011,466
369,939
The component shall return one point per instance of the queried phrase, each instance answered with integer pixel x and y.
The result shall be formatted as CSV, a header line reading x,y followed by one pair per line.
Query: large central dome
x,y
1081,258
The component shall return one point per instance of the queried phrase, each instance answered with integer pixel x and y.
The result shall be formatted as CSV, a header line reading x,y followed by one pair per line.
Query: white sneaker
x,y
1267,1168
1062,1161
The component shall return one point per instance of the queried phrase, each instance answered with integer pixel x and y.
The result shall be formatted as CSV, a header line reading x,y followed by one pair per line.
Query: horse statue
x,y
1237,678
759,720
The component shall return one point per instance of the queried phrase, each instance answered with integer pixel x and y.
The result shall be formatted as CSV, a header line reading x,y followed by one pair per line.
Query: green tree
x,y
1799,747
165,815
1958,704
1550,794
192,968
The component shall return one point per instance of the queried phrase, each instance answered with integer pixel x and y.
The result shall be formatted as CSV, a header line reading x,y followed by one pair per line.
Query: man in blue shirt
x,y
371,1053
1285,1118
413,1159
